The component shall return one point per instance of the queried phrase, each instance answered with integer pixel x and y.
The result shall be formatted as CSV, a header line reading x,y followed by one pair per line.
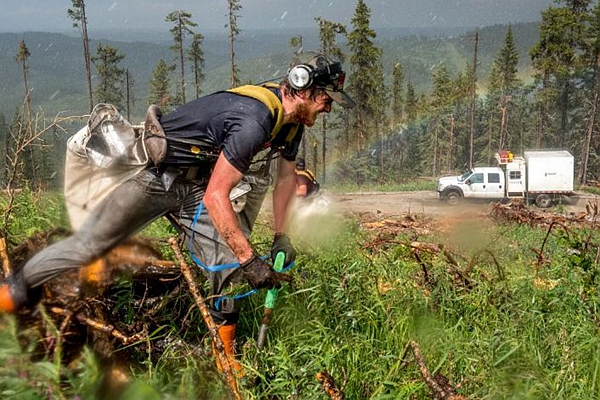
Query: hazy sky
x,y
51,15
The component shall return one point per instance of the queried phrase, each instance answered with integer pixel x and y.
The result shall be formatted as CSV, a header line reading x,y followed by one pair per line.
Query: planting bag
x,y
100,156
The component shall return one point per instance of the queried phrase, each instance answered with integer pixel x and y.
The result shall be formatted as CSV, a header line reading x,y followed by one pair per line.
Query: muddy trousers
x,y
204,243
129,208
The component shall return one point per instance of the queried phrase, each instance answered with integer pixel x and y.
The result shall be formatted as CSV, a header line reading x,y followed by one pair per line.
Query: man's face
x,y
308,110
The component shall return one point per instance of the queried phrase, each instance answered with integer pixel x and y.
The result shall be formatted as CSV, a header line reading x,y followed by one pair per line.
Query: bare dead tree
x,y
25,134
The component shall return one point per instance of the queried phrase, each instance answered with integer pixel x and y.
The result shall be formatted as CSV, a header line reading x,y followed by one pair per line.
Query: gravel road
x,y
426,202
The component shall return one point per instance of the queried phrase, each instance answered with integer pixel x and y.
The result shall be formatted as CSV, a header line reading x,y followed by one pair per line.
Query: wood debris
x,y
223,359
329,386
517,211
438,383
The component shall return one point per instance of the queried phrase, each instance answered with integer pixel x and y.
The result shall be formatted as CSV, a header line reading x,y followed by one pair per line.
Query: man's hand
x,y
260,275
282,243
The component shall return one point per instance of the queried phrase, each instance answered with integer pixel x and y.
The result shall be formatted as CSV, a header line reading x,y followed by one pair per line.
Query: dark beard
x,y
304,116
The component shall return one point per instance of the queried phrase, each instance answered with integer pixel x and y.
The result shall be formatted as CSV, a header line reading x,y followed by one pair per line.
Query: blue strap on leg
x,y
218,268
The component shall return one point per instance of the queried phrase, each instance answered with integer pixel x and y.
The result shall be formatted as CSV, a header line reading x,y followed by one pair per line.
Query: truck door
x,y
494,188
515,175
476,186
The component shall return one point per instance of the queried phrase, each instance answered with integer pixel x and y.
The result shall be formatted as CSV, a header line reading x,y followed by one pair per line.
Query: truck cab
x,y
480,183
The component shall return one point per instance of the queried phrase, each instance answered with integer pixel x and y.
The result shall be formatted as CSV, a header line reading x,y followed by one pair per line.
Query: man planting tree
x,y
206,167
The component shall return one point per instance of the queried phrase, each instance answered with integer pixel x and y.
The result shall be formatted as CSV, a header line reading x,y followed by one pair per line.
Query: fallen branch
x,y
329,385
4,255
99,326
222,358
438,384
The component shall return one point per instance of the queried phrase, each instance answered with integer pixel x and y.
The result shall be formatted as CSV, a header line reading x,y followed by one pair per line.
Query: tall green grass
x,y
510,327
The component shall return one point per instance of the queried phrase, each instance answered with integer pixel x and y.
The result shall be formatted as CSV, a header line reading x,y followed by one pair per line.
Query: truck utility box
x,y
542,176
549,171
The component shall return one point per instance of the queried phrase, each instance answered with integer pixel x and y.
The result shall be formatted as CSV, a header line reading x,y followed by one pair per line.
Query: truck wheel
x,y
543,201
453,198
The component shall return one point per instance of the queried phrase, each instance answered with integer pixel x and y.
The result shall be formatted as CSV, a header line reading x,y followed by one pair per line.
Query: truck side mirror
x,y
468,182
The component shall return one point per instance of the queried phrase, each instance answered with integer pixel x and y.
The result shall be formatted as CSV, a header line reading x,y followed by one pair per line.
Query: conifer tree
x,y
110,76
78,15
556,58
591,56
234,8
22,57
196,57
129,95
503,83
296,43
366,83
160,86
182,26
411,105
328,31
397,88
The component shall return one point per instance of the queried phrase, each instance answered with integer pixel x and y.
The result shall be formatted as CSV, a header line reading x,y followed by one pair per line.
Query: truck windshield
x,y
465,176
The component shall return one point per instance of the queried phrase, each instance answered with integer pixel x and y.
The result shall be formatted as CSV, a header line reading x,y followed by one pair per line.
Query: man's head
x,y
311,70
313,82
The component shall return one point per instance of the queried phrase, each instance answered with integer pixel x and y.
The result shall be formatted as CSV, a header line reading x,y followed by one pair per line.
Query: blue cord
x,y
217,268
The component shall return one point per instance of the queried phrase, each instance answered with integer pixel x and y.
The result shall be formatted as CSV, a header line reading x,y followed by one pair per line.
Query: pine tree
x,y
556,58
397,88
110,76
328,31
234,8
160,86
411,106
591,56
296,44
196,57
77,14
182,25
503,83
129,94
22,57
366,83
506,64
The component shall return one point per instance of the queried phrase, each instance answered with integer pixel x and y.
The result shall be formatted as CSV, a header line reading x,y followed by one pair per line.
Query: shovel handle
x,y
270,300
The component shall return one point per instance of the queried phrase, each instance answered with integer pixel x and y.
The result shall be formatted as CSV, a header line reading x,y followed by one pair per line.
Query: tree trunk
x,y
473,99
324,148
86,56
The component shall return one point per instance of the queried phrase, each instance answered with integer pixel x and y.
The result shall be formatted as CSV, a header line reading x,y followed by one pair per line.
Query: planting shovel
x,y
270,301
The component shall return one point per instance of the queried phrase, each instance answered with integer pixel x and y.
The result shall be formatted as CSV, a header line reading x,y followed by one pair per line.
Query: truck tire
x,y
453,197
543,200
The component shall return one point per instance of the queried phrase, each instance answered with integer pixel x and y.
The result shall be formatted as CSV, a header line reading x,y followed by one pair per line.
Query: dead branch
x,y
222,358
541,259
99,326
28,130
6,269
329,386
438,384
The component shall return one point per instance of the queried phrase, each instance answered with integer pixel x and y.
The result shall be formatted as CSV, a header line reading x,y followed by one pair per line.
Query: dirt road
x,y
425,202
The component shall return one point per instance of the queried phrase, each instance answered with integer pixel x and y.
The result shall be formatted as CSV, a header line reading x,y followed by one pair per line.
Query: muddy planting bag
x,y
100,156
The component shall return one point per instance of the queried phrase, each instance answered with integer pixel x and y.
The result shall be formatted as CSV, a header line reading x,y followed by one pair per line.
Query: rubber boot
x,y
13,293
227,334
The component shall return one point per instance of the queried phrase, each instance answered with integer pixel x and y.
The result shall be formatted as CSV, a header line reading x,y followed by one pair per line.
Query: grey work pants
x,y
132,206
213,252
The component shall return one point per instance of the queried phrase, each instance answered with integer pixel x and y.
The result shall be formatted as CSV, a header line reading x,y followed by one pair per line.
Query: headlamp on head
x,y
319,71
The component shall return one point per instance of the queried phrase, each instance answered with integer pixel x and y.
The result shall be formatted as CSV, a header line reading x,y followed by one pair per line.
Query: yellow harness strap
x,y
269,99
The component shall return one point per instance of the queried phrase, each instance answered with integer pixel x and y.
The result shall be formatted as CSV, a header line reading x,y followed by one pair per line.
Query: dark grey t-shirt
x,y
238,125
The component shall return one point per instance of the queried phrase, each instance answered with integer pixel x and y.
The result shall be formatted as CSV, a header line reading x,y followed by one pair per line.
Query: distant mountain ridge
x,y
56,71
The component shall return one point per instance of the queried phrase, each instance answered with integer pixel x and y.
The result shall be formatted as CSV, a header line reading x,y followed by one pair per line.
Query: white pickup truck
x,y
540,176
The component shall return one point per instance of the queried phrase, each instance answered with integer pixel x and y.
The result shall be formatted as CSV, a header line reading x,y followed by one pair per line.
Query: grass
x,y
514,329
420,184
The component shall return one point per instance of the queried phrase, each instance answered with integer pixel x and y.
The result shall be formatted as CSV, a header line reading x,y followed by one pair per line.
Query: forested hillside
x,y
57,76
